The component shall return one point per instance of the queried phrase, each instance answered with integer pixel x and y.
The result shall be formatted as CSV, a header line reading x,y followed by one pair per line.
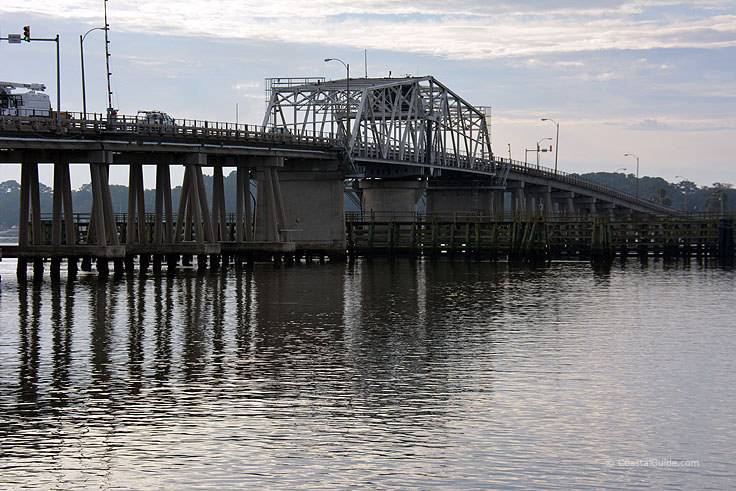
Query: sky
x,y
654,78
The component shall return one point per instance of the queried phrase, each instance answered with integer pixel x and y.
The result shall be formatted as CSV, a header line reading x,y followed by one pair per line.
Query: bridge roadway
x,y
299,193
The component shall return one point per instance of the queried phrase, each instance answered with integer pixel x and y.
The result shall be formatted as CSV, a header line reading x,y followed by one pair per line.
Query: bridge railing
x,y
459,160
585,184
480,216
95,124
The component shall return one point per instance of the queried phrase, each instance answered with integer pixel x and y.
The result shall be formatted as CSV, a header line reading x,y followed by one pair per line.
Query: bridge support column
x,y
270,217
584,205
102,227
62,195
565,202
243,213
163,214
193,212
499,201
382,196
604,207
314,205
446,198
542,199
219,223
30,202
136,225
518,199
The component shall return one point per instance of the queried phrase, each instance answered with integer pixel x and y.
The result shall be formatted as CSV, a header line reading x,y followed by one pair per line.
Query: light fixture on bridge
x,y
81,55
544,150
557,142
637,171
347,98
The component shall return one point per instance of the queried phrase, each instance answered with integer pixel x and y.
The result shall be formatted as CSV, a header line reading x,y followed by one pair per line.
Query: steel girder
x,y
414,120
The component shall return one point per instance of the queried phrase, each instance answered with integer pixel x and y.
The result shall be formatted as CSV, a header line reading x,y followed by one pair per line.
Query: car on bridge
x,y
155,117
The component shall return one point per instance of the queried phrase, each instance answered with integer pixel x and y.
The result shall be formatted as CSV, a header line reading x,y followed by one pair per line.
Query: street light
x,y
81,54
557,143
540,141
684,192
620,168
637,171
347,99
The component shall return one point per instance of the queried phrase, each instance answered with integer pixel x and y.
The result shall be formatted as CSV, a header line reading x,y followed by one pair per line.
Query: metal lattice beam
x,y
413,120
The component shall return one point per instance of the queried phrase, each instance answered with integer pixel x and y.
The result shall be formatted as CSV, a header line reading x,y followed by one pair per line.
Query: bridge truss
x,y
411,121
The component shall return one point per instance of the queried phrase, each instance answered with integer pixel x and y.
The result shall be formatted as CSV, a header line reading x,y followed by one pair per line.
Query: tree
x,y
687,188
718,200
661,197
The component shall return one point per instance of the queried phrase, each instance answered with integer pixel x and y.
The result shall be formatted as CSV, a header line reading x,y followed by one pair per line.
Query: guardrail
x,y
475,216
576,181
97,125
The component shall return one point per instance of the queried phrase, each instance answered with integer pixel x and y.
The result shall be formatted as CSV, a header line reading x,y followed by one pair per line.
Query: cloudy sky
x,y
656,78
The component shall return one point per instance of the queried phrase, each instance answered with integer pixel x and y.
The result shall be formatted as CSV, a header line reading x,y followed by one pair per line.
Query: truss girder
x,y
416,120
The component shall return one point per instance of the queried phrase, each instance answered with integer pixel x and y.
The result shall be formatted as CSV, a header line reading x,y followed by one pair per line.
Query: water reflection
x,y
403,373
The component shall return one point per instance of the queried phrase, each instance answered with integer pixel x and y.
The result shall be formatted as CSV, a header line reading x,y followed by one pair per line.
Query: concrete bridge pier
x,y
384,196
193,221
499,201
584,205
542,200
314,205
465,197
518,196
270,216
564,201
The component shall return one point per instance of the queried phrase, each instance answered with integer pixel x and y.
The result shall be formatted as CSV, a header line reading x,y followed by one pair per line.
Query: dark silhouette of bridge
x,y
395,140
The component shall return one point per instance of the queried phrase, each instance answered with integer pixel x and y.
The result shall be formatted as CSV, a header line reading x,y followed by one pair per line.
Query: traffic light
x,y
27,33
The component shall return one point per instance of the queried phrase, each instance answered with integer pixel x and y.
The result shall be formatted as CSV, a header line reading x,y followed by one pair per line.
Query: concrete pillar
x,y
499,201
314,204
270,219
604,207
465,199
584,205
391,197
193,212
518,200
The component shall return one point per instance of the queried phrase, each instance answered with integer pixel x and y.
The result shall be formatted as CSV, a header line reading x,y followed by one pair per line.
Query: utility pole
x,y
110,110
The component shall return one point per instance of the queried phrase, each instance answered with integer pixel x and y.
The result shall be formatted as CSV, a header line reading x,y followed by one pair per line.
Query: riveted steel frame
x,y
413,120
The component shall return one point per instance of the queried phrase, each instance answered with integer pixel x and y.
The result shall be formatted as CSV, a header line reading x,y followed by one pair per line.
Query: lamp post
x,y
81,54
685,192
540,141
637,171
347,99
557,142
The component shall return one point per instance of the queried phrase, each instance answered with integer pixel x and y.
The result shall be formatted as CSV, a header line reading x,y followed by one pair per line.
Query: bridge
x,y
393,140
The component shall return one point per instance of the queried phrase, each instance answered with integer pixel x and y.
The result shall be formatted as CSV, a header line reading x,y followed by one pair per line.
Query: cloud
x,y
650,124
467,29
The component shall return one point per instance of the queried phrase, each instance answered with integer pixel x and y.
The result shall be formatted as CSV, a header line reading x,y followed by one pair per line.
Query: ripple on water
x,y
373,374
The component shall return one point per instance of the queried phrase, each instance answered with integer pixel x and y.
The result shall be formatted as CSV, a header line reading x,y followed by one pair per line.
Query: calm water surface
x,y
371,375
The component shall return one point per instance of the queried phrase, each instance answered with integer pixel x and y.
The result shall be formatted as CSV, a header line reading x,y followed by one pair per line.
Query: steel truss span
x,y
413,120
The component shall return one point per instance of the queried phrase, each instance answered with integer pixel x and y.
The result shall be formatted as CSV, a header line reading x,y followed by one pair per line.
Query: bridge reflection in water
x,y
400,372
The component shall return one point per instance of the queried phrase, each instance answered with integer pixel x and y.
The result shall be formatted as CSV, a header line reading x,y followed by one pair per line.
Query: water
x,y
372,375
